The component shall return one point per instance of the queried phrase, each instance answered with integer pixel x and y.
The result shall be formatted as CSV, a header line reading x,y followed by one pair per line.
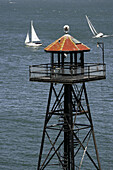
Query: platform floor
x,y
68,79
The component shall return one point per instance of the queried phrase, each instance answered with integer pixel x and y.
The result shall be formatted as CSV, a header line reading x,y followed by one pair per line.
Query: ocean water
x,y
23,103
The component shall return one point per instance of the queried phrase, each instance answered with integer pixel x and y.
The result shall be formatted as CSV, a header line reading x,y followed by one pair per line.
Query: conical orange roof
x,y
66,44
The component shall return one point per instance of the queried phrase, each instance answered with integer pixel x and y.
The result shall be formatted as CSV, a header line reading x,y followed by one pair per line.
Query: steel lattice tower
x,y
68,132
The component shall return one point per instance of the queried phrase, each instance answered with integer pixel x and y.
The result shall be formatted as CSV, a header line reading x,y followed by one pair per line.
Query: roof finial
x,y
66,28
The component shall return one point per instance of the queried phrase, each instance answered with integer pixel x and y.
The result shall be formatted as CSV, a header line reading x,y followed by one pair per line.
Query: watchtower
x,y
68,129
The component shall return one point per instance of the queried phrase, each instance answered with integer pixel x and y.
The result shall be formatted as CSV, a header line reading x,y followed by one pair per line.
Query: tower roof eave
x,y
67,51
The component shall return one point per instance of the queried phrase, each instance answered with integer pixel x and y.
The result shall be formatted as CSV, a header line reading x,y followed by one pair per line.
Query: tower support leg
x,y
91,126
43,136
68,134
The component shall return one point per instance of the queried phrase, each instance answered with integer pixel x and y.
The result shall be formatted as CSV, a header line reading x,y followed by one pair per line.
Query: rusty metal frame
x,y
69,127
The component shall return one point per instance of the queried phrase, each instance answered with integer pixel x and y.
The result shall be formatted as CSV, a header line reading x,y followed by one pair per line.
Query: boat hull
x,y
31,44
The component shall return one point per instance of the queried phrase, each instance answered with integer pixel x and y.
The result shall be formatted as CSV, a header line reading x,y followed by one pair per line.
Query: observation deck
x,y
67,64
68,73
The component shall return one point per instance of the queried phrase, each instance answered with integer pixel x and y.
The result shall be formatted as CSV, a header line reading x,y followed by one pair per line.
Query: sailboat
x,y
32,39
93,30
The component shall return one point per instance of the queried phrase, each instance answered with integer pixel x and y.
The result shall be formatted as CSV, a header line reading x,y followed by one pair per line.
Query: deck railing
x,y
47,70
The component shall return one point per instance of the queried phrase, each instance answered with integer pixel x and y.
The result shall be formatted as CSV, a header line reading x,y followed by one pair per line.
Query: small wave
x,y
12,2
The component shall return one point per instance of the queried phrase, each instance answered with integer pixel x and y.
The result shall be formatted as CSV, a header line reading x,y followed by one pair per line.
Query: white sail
x,y
27,38
91,26
32,39
34,36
